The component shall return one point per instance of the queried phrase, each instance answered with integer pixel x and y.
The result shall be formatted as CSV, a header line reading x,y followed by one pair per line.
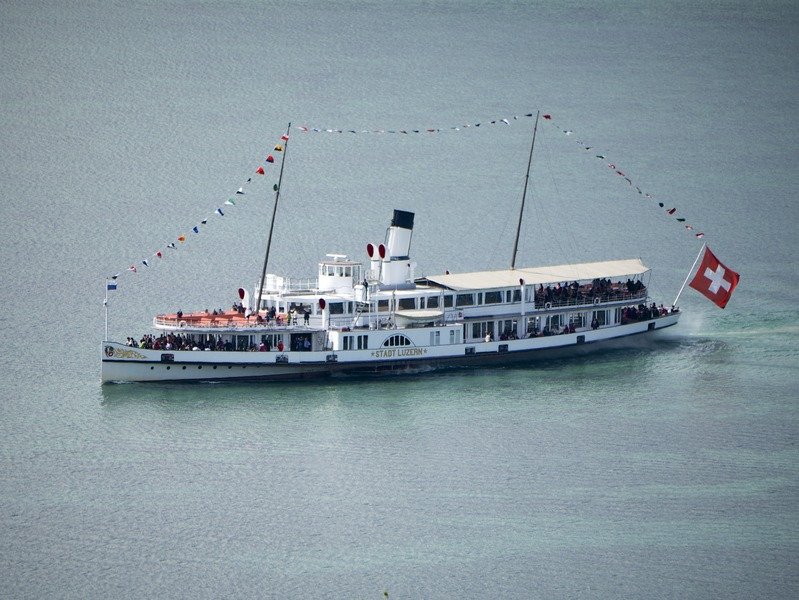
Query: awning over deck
x,y
611,269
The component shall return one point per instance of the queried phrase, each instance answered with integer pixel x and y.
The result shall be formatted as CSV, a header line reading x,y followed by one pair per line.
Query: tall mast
x,y
524,195
272,225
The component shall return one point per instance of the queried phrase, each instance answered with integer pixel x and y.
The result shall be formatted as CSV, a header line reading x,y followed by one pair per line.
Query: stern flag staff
x,y
714,280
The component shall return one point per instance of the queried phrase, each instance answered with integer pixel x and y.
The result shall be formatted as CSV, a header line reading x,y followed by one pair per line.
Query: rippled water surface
x,y
663,469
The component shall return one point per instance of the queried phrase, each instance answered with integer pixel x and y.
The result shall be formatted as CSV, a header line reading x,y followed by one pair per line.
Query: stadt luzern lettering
x,y
398,352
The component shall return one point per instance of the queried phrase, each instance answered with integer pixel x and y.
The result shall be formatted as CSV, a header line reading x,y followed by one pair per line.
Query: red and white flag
x,y
714,280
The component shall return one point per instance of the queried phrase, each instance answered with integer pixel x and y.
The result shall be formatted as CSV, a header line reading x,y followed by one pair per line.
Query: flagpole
x,y
524,195
105,304
272,225
689,274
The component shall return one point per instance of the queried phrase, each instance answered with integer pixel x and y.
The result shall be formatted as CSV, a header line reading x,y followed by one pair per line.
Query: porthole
x,y
199,367
168,368
151,368
184,367
214,366
230,366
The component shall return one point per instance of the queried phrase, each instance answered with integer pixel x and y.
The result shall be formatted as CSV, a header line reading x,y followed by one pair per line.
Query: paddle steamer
x,y
358,318
362,319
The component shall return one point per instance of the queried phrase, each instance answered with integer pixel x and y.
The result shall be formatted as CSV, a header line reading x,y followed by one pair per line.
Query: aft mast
x,y
524,195
272,224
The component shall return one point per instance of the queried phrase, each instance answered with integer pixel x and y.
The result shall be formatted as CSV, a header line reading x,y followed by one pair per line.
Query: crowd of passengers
x,y
629,314
271,315
573,293
178,341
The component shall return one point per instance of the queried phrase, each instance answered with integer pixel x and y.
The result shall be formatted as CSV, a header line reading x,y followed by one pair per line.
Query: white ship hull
x,y
121,363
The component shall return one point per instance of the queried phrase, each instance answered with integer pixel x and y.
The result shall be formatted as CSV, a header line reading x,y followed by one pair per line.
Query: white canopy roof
x,y
611,269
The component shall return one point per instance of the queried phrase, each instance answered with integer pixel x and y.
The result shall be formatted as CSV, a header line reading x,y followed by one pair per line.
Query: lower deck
x,y
123,363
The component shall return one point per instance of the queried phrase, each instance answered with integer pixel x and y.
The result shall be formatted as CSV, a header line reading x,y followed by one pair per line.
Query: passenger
x,y
280,346
307,316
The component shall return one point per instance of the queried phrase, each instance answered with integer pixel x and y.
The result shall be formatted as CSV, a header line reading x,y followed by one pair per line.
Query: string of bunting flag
x,y
614,168
611,165
500,121
111,281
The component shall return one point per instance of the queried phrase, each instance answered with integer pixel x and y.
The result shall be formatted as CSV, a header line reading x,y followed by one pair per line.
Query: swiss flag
x,y
714,280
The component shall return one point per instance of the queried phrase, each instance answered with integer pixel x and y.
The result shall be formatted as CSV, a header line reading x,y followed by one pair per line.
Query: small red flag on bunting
x,y
270,159
260,170
284,137
158,254
548,117
671,211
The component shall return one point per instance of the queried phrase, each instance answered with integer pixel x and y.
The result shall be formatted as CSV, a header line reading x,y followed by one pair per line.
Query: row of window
x,y
479,329
450,300
353,342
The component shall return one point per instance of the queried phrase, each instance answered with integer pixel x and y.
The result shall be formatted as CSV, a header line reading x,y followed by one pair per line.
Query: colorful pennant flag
x,y
219,212
260,170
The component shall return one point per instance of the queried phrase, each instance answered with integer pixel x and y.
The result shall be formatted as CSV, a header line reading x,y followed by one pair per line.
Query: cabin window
x,y
435,338
554,322
421,302
336,308
363,342
481,328
517,295
601,317
494,297
407,303
347,342
242,342
347,271
382,306
577,319
452,336
432,302
270,340
464,300
480,298
507,327
396,340
447,301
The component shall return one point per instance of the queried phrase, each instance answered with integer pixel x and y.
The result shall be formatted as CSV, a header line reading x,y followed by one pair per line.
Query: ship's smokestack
x,y
398,239
396,266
